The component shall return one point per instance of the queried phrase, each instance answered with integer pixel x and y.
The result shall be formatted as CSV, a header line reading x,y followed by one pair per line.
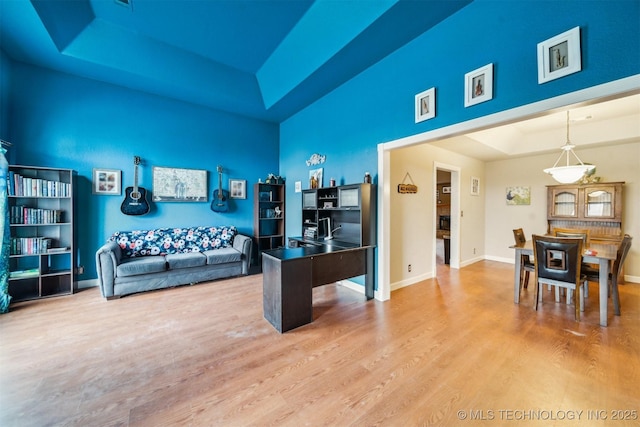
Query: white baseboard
x,y
357,287
83,284
501,259
412,281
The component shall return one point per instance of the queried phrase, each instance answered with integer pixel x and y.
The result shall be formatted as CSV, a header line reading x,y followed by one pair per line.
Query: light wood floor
x,y
436,352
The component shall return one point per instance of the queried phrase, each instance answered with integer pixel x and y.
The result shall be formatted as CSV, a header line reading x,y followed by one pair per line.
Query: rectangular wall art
x,y
107,181
179,185
518,195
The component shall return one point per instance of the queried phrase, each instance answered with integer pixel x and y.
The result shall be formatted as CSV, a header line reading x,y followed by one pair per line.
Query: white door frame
x,y
610,90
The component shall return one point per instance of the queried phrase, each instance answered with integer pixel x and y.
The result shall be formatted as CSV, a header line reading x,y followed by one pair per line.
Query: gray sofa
x,y
137,261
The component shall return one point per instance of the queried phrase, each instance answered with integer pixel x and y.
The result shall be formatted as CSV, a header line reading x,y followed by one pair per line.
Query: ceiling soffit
x,y
265,59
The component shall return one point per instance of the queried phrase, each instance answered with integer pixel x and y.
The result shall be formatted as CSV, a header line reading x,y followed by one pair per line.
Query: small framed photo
x,y
426,105
475,186
559,56
317,174
238,188
478,85
107,182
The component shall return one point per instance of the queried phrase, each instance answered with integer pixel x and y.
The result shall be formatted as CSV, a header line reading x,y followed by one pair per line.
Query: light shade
x,y
569,174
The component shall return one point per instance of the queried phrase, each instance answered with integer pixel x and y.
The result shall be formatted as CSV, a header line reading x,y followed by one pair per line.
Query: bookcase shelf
x,y
268,217
41,263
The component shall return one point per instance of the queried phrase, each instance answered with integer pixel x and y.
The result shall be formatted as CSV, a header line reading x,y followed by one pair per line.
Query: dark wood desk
x,y
290,274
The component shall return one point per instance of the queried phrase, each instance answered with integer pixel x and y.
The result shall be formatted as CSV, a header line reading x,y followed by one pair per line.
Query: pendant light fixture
x,y
568,174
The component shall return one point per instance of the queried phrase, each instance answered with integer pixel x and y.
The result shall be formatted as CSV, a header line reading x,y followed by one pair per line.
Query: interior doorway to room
x,y
443,217
446,217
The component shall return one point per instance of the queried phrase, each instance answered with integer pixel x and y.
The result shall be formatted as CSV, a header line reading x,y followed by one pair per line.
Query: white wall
x,y
488,221
413,226
613,163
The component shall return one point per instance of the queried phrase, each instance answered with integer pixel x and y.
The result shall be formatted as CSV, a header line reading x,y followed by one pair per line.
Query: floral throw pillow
x,y
163,241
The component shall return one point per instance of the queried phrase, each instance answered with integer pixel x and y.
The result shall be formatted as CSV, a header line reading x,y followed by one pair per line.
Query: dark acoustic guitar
x,y
135,198
220,202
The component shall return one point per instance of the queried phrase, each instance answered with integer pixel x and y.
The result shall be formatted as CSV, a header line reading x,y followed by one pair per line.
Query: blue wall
x,y
62,121
58,120
5,87
378,105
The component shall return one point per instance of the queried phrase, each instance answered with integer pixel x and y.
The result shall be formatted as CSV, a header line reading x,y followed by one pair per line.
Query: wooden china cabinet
x,y
597,207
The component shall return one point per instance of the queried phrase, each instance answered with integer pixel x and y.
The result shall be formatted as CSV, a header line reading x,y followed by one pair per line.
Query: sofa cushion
x,y
135,266
222,256
190,259
162,241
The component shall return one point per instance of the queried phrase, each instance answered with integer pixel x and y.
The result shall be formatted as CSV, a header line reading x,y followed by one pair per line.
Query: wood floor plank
x,y
204,356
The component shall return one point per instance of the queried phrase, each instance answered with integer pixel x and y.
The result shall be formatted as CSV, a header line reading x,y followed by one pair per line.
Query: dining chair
x,y
558,262
593,275
583,233
526,263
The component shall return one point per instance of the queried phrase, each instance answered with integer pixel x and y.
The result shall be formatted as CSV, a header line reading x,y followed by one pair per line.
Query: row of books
x,y
27,215
24,186
30,245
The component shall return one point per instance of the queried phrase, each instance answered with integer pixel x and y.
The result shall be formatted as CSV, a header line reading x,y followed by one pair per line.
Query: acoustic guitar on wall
x,y
135,199
220,202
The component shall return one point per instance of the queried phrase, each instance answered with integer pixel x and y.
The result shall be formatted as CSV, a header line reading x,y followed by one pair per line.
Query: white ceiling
x,y
604,123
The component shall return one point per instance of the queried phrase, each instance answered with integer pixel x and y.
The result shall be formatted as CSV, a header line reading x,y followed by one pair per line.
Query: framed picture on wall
x,y
317,174
559,56
425,105
478,85
107,182
518,196
475,186
179,185
238,188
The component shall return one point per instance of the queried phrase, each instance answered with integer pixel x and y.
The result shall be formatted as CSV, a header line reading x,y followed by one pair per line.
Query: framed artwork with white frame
x,y
238,188
478,85
426,105
107,181
179,185
475,186
559,56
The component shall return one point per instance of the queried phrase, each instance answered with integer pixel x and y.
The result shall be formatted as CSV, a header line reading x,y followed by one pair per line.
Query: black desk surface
x,y
314,248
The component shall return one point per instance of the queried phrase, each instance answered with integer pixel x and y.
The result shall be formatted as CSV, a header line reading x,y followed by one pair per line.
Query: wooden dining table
x,y
604,254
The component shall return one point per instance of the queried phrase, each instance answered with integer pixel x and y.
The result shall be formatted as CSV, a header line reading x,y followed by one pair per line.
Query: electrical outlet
x,y
80,270
409,268
474,251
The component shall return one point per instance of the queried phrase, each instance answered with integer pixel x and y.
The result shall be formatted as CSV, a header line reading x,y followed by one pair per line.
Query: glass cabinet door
x,y
599,202
564,203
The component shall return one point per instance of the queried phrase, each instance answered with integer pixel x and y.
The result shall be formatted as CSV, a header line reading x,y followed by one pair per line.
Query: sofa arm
x,y
243,244
107,259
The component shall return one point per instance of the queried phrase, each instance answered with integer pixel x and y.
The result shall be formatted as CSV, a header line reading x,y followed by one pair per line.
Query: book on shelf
x,y
19,274
30,245
25,186
26,215
57,250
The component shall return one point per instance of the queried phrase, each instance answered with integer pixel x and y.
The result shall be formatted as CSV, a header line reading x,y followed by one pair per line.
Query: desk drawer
x,y
331,267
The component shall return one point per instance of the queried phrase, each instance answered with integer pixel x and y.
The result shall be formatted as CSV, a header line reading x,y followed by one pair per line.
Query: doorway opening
x,y
446,217
443,217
